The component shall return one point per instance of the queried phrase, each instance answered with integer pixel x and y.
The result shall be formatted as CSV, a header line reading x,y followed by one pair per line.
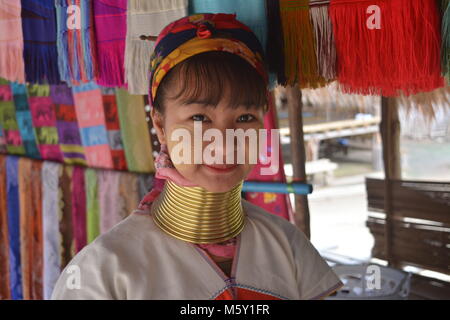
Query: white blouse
x,y
136,260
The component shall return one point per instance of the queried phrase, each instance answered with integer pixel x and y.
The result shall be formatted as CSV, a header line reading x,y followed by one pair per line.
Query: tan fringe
x,y
299,45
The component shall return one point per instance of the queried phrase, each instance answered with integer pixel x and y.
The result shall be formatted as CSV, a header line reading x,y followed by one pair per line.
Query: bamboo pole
x,y
298,156
390,134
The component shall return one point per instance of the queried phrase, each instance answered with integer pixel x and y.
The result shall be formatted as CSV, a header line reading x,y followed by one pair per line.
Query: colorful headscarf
x,y
201,33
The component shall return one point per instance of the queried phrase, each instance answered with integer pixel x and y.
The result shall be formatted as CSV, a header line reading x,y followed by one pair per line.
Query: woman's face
x,y
213,177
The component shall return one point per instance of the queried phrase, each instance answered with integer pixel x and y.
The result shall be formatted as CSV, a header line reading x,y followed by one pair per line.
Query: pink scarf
x,y
165,170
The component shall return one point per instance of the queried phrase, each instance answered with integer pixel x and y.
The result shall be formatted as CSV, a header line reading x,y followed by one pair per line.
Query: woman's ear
x,y
158,124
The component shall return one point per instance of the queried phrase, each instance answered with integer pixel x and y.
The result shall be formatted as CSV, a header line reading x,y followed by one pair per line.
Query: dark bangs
x,y
208,78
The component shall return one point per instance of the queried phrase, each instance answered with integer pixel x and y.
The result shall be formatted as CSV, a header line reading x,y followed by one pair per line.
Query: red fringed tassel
x,y
401,57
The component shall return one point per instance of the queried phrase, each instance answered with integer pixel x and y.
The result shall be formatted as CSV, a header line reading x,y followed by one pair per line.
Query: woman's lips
x,y
221,168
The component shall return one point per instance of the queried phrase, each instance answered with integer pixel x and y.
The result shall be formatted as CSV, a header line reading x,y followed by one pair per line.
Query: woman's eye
x,y
199,117
246,118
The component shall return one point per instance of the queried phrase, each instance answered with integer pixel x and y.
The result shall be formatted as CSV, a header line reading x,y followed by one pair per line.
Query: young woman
x,y
193,236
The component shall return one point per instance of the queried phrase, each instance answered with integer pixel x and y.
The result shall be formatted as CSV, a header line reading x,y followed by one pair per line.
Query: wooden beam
x,y
390,135
298,156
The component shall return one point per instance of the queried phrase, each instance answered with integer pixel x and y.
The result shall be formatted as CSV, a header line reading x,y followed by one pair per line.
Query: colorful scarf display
x,y
51,173
91,121
79,208
5,292
76,41
110,31
12,200
24,120
39,35
11,132
299,45
401,57
113,129
11,41
67,125
44,122
146,19
135,135
31,237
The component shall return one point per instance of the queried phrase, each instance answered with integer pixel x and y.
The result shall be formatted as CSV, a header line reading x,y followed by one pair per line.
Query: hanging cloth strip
x,y
135,133
275,42
44,122
446,39
24,120
128,193
79,208
39,35
51,173
324,39
67,125
31,237
11,131
110,31
113,128
108,197
92,205
91,121
5,293
299,45
5,95
146,18
393,54
11,41
12,200
76,41
65,222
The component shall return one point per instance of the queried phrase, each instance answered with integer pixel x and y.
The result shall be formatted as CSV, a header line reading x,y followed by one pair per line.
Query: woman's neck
x,y
196,215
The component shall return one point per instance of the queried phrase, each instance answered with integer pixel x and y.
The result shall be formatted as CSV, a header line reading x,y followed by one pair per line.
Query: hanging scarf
x,y
275,42
324,39
113,129
11,41
67,125
39,35
110,31
24,120
5,95
5,292
299,45
401,57
79,208
51,173
278,204
91,121
108,196
65,222
92,205
146,18
128,193
12,196
134,131
75,41
446,39
11,131
29,178
44,122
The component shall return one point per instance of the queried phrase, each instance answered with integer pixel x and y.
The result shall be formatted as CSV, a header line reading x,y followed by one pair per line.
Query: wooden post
x,y
298,156
390,134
